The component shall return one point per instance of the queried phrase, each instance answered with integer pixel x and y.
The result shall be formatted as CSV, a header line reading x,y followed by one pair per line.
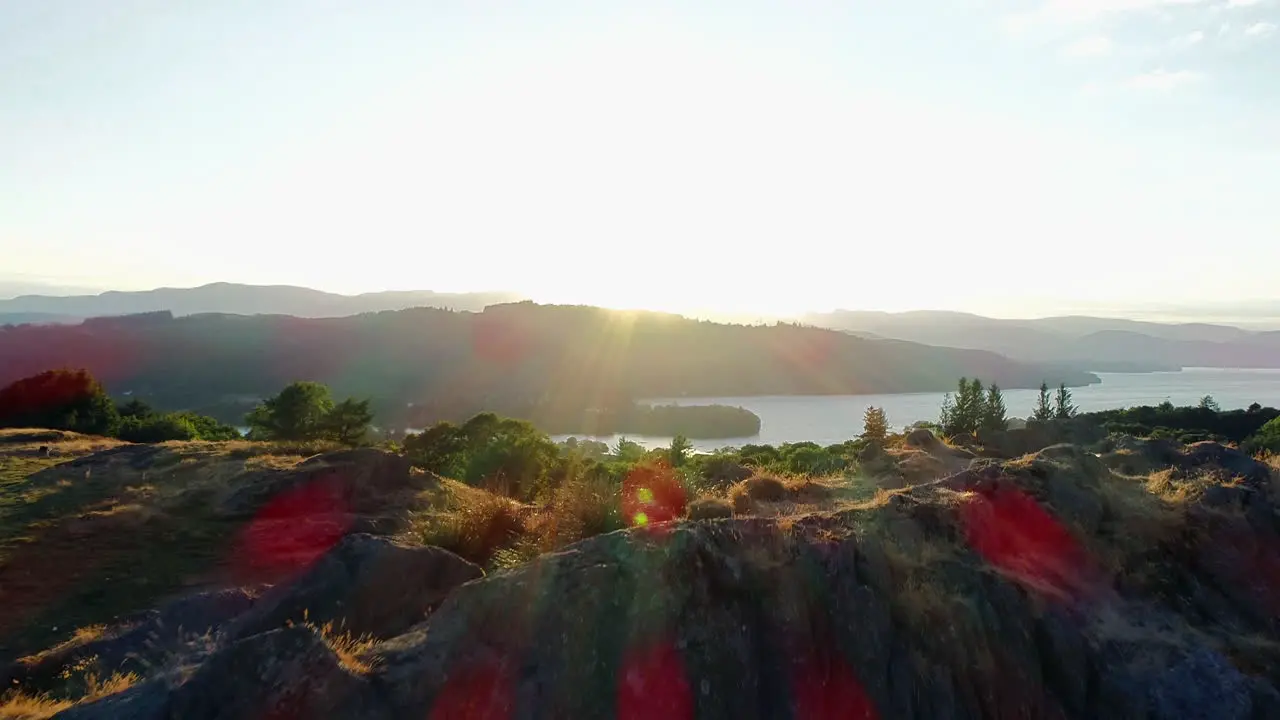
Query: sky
x,y
1008,157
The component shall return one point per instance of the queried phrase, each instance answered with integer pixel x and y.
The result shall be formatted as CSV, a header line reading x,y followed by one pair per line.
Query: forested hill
x,y
505,358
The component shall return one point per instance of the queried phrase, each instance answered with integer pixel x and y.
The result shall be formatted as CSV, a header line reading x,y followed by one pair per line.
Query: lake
x,y
831,419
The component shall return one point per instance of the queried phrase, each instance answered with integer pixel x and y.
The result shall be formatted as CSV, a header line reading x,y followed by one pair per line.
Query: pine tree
x,y
1044,409
947,416
1063,408
995,414
875,426
964,413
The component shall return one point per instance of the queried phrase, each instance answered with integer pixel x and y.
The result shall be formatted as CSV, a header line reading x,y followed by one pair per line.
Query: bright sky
x,y
998,156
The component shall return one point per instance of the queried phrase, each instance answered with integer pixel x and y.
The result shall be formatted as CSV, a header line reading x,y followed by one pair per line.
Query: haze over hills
x,y
522,359
236,299
1080,341
1098,343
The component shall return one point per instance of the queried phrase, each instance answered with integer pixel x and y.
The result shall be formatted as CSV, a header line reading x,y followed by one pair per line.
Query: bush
x,y
1267,439
579,509
710,508
59,400
722,470
476,532
763,488
156,429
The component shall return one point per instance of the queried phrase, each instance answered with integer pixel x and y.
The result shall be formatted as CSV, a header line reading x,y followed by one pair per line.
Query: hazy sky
x,y
1008,157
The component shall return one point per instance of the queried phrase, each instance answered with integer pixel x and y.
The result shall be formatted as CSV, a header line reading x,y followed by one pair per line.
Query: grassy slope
x,y
81,543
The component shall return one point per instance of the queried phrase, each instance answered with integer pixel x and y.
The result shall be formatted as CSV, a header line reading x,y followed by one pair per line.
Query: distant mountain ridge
x,y
235,299
537,361
1094,343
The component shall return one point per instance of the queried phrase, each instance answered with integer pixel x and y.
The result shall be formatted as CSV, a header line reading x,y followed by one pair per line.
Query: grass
x,y
19,705
476,531
710,508
496,532
147,516
352,651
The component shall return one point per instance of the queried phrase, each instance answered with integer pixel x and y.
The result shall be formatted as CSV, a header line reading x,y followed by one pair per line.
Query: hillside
x,y
234,299
521,359
1131,578
1101,344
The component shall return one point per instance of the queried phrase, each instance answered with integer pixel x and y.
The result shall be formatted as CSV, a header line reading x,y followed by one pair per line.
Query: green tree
x,y
348,421
157,428
135,408
1267,439
59,400
875,424
440,449
1208,403
947,415
511,457
208,428
297,413
679,451
967,411
1063,408
628,451
1044,406
994,412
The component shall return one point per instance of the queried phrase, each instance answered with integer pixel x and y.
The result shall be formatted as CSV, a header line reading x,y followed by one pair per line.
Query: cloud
x,y
1092,46
1090,9
1260,30
1085,11
1192,38
1241,3
1224,28
1165,80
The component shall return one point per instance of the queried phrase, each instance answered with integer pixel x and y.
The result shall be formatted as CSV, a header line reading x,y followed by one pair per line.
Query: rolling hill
x,y
1100,344
426,364
234,299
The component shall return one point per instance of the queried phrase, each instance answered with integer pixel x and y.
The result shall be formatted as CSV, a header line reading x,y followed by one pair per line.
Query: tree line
x,y
72,399
545,364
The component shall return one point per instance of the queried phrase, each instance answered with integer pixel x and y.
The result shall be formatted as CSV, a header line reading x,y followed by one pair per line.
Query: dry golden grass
x,y
18,705
710,508
475,532
21,706
350,649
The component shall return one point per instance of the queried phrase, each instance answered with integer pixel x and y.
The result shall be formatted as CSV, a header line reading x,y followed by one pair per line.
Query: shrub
x,y
579,509
59,400
156,429
710,508
476,532
723,470
764,488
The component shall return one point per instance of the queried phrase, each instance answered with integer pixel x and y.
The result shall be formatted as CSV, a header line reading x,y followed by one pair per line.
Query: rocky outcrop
x,y
140,643
360,480
366,586
1046,587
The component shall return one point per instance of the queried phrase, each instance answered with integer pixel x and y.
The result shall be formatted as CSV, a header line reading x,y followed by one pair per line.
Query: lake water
x,y
835,418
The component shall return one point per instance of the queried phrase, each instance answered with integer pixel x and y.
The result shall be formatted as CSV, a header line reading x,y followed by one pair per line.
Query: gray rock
x,y
366,585
145,701
288,673
359,481
141,643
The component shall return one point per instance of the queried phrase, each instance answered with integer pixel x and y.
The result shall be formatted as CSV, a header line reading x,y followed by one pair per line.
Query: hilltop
x,y
233,298
1132,578
541,362
1100,344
